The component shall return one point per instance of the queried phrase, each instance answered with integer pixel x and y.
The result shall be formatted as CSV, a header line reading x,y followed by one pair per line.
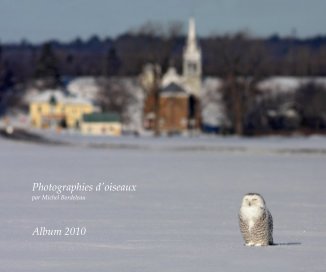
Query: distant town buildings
x,y
162,103
57,110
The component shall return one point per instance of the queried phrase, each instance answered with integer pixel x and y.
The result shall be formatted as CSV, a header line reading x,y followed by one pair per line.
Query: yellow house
x,y
101,124
52,108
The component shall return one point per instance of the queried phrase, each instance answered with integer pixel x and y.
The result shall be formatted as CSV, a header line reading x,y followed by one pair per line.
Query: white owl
x,y
256,222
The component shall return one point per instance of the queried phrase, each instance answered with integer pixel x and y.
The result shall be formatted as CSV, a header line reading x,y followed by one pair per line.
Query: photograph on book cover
x,y
171,136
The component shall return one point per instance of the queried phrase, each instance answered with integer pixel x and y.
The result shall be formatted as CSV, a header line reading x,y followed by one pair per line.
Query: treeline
x,y
127,54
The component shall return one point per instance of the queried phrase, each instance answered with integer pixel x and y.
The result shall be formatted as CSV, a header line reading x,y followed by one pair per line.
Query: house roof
x,y
57,96
101,117
49,96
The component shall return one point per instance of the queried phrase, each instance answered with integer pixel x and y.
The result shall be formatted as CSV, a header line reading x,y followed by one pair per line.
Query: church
x,y
176,101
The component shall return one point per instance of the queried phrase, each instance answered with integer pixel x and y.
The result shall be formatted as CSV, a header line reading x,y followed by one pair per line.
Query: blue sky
x,y
39,20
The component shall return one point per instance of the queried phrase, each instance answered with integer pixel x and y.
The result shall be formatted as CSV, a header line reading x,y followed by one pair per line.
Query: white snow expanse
x,y
183,216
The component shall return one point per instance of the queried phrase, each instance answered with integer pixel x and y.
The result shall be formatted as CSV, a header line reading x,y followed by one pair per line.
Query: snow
x,y
135,109
213,111
183,216
287,84
85,87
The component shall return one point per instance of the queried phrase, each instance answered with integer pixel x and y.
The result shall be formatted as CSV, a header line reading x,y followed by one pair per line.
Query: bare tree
x,y
161,41
271,113
243,61
115,96
311,100
151,81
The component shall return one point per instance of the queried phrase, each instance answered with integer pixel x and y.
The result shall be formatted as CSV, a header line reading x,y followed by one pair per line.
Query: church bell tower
x,y
192,61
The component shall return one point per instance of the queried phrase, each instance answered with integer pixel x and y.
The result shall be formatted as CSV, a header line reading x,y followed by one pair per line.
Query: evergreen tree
x,y
46,66
112,63
6,74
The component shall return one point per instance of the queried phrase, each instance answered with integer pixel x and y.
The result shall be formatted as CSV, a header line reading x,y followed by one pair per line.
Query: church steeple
x,y
192,60
191,39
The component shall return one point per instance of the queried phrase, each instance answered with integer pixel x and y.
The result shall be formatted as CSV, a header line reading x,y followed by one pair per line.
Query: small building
x,y
53,109
97,123
173,109
177,110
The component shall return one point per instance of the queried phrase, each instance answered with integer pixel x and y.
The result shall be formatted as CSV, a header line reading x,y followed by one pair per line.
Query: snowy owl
x,y
256,222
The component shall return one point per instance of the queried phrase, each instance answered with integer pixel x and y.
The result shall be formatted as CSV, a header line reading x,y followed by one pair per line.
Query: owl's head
x,y
253,200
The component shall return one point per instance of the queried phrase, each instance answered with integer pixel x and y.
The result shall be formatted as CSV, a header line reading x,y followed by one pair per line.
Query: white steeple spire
x,y
192,60
191,30
191,40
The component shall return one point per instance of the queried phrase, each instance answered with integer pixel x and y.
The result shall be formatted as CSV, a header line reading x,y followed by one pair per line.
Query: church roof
x,y
173,88
171,76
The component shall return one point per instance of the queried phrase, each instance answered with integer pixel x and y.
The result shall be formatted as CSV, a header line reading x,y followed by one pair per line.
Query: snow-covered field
x,y
183,216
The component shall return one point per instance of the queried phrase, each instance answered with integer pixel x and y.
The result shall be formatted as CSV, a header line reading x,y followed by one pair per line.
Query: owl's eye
x,y
254,199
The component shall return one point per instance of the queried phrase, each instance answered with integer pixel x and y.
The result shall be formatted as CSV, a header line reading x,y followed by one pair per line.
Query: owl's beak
x,y
249,203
